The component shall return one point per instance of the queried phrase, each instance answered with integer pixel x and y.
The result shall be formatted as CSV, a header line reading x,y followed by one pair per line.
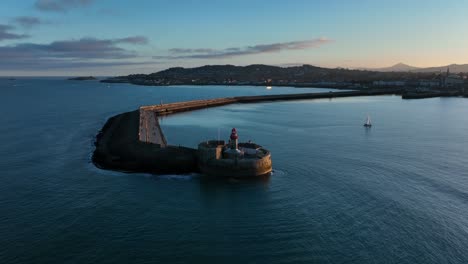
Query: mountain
x,y
399,67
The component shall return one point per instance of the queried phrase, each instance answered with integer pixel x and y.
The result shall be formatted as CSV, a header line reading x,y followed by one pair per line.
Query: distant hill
x,y
259,74
454,68
401,67
82,78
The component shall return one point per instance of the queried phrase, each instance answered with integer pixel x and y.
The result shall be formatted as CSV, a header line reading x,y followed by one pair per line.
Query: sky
x,y
117,37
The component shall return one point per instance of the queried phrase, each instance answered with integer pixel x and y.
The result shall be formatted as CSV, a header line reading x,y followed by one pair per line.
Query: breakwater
x,y
429,94
118,148
171,108
134,141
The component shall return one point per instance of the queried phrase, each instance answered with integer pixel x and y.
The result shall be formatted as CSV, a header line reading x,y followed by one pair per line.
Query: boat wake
x,y
275,172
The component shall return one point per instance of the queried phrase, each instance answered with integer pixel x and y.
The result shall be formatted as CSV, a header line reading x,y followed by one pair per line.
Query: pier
x,y
171,108
150,131
134,141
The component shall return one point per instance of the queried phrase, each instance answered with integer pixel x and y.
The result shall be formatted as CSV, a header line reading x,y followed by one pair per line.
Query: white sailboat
x,y
368,122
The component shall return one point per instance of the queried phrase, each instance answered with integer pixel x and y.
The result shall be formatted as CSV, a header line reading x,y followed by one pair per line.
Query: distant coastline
x,y
298,76
83,78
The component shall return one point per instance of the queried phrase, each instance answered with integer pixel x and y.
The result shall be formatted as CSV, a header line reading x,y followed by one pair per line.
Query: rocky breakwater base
x,y
134,142
118,148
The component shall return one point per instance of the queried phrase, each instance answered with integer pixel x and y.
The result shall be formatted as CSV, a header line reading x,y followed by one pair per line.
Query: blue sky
x,y
114,37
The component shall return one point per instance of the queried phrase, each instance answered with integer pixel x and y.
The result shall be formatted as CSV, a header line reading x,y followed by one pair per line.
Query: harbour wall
x,y
171,108
127,142
118,148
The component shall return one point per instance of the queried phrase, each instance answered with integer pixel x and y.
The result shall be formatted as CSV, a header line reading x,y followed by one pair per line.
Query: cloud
x,y
84,48
5,34
206,53
180,51
27,21
68,52
61,5
57,64
136,40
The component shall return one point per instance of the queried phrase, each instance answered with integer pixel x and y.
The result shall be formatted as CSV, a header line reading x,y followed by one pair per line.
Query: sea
x,y
339,193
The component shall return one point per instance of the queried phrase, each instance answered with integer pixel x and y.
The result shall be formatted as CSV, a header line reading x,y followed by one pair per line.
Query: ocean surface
x,y
340,193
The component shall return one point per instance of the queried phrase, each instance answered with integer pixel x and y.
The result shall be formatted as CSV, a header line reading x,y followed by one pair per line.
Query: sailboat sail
x,y
368,121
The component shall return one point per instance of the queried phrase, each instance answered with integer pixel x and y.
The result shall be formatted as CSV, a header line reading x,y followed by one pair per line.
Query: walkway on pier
x,y
150,130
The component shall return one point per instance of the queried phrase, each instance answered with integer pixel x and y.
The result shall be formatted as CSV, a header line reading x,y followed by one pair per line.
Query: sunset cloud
x,y
81,48
207,53
69,52
135,40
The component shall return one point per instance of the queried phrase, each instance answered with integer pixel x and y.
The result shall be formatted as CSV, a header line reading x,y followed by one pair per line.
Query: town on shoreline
x,y
411,84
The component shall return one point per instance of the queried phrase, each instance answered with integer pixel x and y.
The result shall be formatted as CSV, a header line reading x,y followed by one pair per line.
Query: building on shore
x,y
432,83
389,83
449,80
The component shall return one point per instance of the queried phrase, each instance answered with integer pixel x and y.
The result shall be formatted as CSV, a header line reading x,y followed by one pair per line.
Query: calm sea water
x,y
340,193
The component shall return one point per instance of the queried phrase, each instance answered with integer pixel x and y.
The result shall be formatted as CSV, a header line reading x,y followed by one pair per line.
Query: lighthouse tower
x,y
234,139
233,152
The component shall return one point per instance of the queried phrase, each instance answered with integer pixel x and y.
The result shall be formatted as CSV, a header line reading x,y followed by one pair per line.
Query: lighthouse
x,y
234,139
232,151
